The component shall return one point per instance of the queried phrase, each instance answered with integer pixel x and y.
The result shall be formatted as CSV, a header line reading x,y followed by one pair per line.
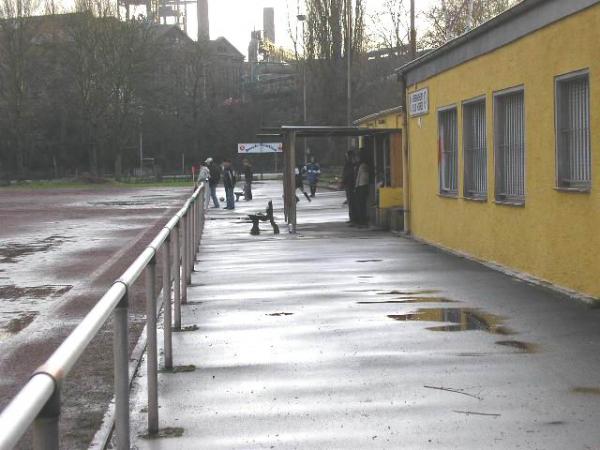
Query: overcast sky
x,y
235,19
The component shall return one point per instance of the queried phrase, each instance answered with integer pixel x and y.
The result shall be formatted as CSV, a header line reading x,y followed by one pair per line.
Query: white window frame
x,y
564,180
468,192
501,196
450,191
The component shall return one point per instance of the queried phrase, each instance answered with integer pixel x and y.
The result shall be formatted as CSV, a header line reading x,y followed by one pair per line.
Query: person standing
x,y
213,181
300,184
248,175
362,189
229,183
204,177
313,173
349,183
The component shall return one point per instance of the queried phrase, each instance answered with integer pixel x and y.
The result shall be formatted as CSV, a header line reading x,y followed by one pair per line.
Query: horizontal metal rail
x,y
38,403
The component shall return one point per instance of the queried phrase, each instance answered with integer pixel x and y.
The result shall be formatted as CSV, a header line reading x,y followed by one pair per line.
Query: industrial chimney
x,y
203,25
269,24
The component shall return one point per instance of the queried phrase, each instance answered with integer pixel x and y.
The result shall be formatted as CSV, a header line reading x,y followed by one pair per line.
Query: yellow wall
x,y
556,235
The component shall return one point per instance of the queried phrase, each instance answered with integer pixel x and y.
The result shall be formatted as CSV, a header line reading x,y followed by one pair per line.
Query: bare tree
x,y
390,26
448,19
16,60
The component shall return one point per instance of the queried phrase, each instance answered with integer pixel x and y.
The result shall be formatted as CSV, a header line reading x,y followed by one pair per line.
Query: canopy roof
x,y
324,131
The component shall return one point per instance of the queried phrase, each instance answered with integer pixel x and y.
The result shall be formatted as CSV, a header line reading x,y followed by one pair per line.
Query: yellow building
x,y
503,133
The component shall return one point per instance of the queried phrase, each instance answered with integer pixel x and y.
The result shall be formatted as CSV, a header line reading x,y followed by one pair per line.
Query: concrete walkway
x,y
345,338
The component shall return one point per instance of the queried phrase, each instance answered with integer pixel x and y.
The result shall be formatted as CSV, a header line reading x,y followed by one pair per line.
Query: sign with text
x,y
273,147
419,102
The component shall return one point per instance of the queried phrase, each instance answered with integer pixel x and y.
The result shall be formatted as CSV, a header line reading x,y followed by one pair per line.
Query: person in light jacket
x,y
349,183
203,177
361,194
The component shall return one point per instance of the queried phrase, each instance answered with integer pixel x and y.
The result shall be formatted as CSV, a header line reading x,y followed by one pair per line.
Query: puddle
x,y
410,300
368,260
365,276
21,322
12,292
11,252
460,319
187,329
280,314
169,432
586,390
123,203
409,293
179,369
525,347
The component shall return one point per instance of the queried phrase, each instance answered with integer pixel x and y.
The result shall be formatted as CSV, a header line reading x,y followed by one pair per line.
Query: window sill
x,y
448,195
515,203
574,190
471,198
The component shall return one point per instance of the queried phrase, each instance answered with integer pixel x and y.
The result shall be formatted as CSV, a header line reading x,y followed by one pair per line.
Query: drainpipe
x,y
405,157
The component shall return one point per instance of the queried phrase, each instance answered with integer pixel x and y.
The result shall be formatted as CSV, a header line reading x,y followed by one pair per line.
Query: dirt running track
x,y
59,251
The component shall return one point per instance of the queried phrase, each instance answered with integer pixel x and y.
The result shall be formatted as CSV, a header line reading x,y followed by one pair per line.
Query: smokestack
x,y
203,25
269,24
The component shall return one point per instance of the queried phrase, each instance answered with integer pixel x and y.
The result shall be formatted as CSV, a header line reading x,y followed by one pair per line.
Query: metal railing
x,y
38,403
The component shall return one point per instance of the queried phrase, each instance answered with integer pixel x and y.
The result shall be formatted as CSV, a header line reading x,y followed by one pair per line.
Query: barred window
x,y
475,150
448,148
573,154
509,146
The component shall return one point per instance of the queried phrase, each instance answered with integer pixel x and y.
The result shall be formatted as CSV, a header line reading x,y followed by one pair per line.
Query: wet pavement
x,y
346,338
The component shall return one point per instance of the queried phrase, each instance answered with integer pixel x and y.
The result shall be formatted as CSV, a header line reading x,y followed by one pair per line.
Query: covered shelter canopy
x,y
289,134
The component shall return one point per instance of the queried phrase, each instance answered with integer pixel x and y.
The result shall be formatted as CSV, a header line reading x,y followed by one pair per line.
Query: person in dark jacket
x,y
300,183
313,173
349,182
229,183
248,175
213,180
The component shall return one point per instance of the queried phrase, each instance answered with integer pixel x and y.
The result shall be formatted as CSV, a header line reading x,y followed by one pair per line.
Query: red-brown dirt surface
x,y
60,250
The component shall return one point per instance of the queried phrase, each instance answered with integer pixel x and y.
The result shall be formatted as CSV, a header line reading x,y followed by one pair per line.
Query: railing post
x,y
188,245
192,231
168,341
121,368
177,276
45,426
185,258
152,351
200,210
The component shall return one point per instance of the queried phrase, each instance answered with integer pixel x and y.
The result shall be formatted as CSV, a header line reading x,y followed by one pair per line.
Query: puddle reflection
x,y
460,319
410,300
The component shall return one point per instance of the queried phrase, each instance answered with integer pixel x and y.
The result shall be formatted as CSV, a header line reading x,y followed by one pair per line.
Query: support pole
x,y
349,66
185,258
152,348
167,320
190,244
286,175
121,367
45,426
413,31
292,175
176,244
